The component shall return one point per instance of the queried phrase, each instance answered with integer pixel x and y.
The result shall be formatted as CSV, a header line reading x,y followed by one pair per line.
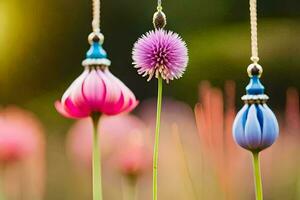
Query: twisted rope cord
x,y
253,22
96,16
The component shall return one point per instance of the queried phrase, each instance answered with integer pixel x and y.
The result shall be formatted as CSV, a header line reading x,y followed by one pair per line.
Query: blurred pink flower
x,y
96,90
122,141
292,115
126,135
19,135
136,157
22,154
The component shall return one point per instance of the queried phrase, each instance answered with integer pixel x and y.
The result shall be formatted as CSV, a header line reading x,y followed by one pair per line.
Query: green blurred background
x,y
43,42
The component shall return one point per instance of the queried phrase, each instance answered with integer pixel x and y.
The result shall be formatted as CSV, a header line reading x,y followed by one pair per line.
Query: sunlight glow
x,y
3,24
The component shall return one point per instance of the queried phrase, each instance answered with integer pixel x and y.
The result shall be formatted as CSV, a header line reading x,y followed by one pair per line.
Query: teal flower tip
x,y
255,127
255,87
96,51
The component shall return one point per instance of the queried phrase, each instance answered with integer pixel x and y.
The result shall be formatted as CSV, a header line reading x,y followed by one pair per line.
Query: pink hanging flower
x,y
22,154
96,90
160,53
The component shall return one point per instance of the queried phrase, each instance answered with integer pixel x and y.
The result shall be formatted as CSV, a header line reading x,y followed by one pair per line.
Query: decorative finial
x,y
159,19
96,55
96,37
255,127
254,70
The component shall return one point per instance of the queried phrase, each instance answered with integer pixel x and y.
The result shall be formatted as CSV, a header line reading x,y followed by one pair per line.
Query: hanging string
x,y
253,22
159,5
96,16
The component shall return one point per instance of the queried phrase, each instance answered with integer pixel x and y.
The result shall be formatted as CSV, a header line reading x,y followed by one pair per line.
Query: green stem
x,y
2,172
1,193
97,183
156,143
257,176
129,188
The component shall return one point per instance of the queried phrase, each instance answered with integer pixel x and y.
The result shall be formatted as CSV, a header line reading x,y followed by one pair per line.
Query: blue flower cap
x,y
96,51
96,55
255,127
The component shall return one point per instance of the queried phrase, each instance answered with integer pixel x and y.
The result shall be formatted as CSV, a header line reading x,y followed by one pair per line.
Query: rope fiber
x,y
253,22
96,16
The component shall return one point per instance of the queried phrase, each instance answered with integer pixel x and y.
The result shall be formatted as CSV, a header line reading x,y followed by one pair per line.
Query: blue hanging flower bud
x,y
255,127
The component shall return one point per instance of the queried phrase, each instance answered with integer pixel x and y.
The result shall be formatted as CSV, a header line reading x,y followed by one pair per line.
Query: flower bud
x,y
255,127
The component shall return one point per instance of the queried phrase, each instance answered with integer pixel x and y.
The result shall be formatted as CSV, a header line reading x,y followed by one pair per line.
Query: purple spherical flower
x,y
160,53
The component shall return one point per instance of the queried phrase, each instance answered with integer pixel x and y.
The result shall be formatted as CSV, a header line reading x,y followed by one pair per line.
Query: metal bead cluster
x,y
96,37
254,70
255,90
96,56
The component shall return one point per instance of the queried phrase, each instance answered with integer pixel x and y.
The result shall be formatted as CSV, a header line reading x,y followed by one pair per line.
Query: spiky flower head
x,y
160,53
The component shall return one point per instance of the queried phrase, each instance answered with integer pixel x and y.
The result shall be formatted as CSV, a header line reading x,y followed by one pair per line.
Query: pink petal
x,y
93,90
129,99
113,94
74,110
77,83
60,108
122,98
96,90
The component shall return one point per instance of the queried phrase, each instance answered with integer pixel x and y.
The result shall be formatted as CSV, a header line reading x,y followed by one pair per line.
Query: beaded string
x,y
96,16
253,22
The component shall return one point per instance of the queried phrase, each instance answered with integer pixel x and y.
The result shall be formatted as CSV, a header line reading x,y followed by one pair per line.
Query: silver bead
x,y
96,37
254,70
